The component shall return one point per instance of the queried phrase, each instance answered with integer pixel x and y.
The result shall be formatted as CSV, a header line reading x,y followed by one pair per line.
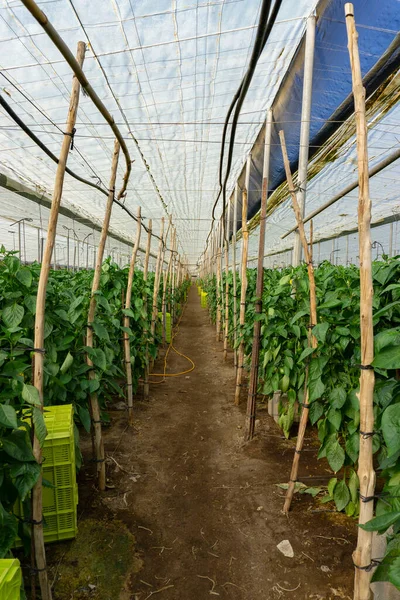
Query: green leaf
x,y
335,418
388,337
8,531
18,446
77,302
24,275
39,424
381,523
8,416
320,330
284,280
353,486
94,385
84,416
298,316
337,397
335,455
343,331
48,328
69,359
391,428
306,352
30,394
341,495
100,331
30,303
99,358
315,411
25,476
316,389
331,486
284,383
388,358
385,309
353,446
13,315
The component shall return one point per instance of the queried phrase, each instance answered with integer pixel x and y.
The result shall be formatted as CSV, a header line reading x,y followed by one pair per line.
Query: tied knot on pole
x,y
72,136
374,563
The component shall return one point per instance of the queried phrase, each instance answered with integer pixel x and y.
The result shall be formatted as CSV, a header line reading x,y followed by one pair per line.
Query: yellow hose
x,y
172,347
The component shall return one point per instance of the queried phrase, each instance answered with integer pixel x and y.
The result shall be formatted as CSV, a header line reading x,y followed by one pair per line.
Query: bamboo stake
x,y
313,319
173,276
243,289
226,243
40,316
145,331
234,239
255,353
165,284
366,474
157,276
94,402
128,303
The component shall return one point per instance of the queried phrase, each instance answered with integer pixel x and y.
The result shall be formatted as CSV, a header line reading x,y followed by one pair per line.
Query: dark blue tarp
x,y
377,23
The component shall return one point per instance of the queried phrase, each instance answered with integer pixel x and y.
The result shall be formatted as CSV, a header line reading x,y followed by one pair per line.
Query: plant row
x,y
65,369
333,374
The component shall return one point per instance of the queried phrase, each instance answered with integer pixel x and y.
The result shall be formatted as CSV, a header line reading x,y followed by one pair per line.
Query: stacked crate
x,y
168,326
60,501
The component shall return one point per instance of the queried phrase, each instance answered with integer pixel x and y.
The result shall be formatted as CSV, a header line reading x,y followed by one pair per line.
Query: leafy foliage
x,y
333,371
65,370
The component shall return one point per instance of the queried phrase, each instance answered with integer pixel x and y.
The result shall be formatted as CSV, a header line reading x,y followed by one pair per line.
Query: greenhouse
x,y
199,299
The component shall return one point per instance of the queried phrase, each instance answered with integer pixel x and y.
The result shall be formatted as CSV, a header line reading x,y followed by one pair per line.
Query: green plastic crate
x,y
203,300
10,579
168,329
60,502
199,290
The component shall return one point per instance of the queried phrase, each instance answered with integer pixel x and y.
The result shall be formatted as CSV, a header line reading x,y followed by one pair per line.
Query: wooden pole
x,y
313,322
128,303
366,474
234,240
40,316
255,353
173,277
226,245
94,402
165,283
146,332
243,289
160,258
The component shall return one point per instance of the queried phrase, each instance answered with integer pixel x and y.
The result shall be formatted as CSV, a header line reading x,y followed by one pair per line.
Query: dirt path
x,y
204,509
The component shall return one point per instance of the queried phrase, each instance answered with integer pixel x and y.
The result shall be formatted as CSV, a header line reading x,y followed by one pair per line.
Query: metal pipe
x,y
305,129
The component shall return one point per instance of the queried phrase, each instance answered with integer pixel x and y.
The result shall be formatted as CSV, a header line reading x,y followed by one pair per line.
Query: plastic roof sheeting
x,y
167,71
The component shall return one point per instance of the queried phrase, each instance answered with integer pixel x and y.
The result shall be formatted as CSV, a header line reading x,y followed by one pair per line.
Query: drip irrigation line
x,y
263,31
54,158
36,107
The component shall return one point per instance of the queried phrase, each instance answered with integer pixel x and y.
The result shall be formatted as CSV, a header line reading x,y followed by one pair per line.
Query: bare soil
x,y
203,506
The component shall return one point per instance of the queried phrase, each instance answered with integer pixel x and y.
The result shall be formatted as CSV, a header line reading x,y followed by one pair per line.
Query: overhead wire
x,y
57,40
54,158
